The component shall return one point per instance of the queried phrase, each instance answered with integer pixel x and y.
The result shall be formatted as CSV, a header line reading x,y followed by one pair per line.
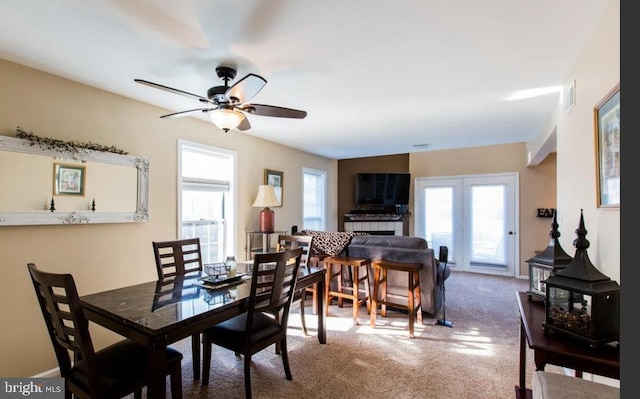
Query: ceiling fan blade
x,y
175,91
244,125
186,113
272,110
246,88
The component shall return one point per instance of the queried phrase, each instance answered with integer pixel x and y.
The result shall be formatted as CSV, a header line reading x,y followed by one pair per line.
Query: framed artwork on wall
x,y
275,178
606,115
69,179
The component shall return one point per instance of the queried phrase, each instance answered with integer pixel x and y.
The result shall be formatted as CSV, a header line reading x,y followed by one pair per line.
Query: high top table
x,y
556,348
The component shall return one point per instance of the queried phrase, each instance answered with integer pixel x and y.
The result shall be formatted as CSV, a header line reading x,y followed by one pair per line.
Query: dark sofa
x,y
405,249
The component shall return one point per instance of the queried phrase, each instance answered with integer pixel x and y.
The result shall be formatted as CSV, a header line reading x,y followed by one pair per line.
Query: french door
x,y
475,216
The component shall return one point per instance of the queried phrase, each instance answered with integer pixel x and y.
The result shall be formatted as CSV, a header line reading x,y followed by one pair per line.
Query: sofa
x,y
405,249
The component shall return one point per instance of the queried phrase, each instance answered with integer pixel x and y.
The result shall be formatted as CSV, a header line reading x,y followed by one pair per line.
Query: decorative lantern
x,y
581,301
546,263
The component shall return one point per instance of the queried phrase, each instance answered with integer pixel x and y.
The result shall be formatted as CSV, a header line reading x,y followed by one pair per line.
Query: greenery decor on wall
x,y
70,147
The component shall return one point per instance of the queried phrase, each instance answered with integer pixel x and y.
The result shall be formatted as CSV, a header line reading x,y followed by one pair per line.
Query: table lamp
x,y
266,197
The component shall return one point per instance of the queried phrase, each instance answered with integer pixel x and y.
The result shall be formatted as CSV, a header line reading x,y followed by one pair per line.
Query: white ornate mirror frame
x,y
45,217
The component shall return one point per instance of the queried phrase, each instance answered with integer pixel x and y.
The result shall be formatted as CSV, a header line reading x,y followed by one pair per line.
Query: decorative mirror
x,y
50,185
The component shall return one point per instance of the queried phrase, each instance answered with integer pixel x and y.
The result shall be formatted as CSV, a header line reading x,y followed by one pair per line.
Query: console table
x,y
558,349
265,242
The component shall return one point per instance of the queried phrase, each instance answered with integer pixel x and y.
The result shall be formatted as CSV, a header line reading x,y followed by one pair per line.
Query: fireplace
x,y
378,227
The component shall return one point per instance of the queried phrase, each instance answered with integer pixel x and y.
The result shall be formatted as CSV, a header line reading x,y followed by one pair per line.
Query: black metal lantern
x,y
546,263
581,301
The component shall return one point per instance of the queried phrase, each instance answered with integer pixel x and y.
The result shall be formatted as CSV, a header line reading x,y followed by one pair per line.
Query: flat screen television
x,y
387,189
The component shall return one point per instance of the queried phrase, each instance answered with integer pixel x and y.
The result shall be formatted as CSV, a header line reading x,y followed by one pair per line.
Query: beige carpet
x,y
477,358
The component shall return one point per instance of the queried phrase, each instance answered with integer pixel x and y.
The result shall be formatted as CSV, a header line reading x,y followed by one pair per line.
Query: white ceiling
x,y
376,77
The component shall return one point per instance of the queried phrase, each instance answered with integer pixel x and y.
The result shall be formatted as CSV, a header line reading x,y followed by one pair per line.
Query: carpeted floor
x,y
477,358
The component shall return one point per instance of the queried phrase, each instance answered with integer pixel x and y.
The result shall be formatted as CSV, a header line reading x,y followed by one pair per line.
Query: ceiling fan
x,y
224,103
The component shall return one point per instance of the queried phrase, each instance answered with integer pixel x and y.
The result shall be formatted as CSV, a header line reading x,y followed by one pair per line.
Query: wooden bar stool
x,y
413,306
352,293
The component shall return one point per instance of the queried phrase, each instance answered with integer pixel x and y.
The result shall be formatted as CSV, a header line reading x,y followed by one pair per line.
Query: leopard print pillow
x,y
330,243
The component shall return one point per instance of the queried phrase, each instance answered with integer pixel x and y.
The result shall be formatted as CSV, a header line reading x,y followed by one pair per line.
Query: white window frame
x,y
231,209
321,174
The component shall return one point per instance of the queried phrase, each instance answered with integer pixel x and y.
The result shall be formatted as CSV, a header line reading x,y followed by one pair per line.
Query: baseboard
x,y
53,373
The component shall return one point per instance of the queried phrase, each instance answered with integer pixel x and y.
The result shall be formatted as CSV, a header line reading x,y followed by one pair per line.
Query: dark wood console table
x,y
558,349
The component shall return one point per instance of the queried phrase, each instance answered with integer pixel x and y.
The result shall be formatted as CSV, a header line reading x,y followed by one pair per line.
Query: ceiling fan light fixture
x,y
226,119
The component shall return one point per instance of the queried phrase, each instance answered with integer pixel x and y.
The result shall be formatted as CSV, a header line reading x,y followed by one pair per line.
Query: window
x,y
206,198
314,199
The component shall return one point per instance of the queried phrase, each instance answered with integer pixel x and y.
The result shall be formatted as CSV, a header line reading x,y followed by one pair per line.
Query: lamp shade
x,y
226,119
266,197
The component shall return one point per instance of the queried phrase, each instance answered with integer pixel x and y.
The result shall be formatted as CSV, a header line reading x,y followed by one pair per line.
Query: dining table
x,y
161,312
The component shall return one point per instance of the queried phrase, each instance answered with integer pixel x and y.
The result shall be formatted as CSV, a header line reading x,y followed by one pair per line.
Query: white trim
x,y
53,373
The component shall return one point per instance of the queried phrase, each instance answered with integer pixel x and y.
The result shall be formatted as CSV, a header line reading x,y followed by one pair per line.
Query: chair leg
x,y
176,382
374,298
206,361
137,394
247,375
418,297
195,354
340,289
367,288
314,292
383,295
411,308
304,324
355,290
285,359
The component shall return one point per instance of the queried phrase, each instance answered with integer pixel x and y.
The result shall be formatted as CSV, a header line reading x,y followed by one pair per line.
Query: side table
x,y
558,349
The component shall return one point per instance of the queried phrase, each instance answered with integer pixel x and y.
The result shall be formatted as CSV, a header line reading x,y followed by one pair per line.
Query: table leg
x,y
320,298
158,374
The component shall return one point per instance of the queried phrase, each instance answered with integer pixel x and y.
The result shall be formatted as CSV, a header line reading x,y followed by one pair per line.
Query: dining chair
x,y
264,323
177,258
112,372
304,242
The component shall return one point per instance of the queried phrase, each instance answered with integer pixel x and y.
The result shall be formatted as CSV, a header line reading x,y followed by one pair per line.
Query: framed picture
x,y
274,178
606,115
68,179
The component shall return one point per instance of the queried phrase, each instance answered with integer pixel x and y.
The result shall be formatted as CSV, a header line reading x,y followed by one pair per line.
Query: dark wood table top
x,y
161,307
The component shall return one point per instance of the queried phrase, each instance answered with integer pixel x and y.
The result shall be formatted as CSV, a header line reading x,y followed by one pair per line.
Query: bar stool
x,y
352,293
413,306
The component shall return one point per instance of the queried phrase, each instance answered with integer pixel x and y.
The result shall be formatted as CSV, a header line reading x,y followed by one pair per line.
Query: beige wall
x,y
537,185
596,72
112,255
